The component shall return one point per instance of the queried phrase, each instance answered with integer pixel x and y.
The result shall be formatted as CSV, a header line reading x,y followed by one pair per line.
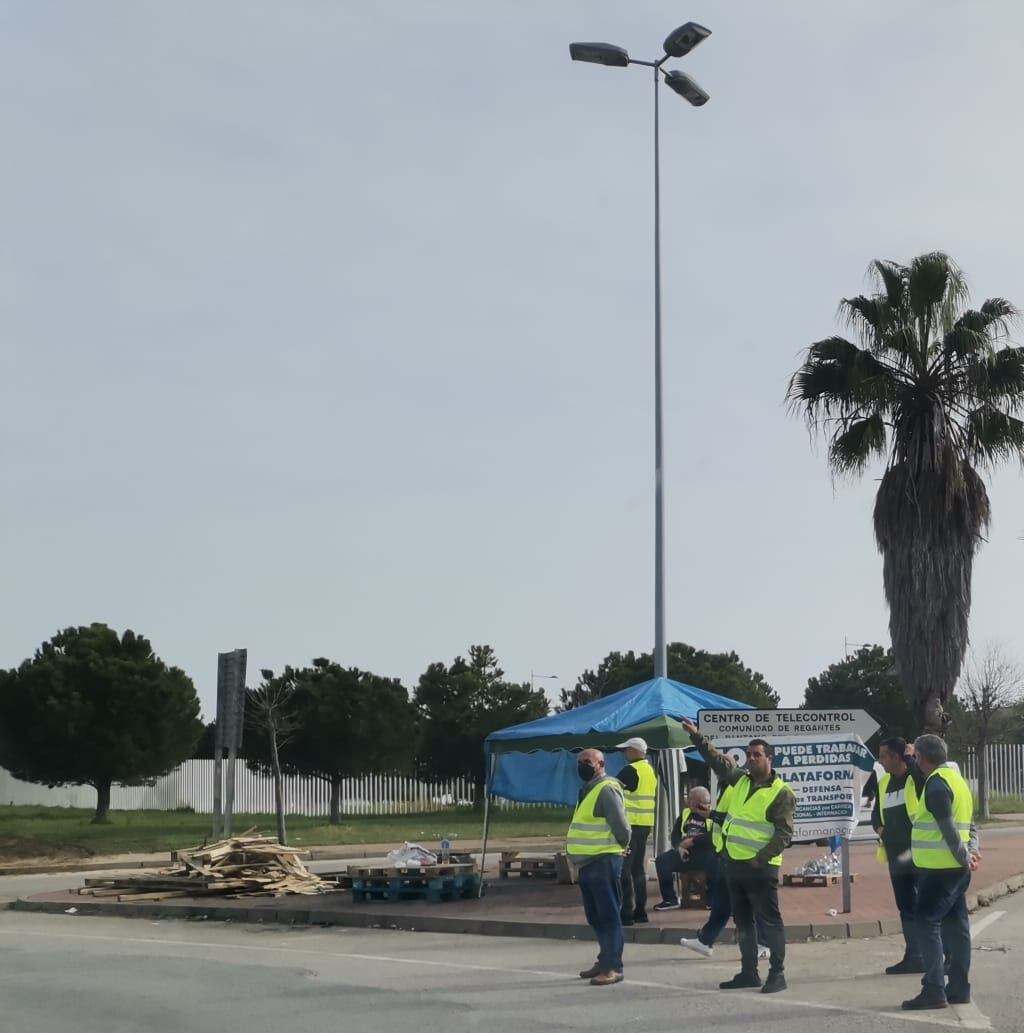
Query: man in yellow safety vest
x,y
640,790
944,849
597,837
891,816
757,828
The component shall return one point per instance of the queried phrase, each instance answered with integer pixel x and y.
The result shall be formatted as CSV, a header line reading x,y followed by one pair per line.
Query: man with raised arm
x,y
757,828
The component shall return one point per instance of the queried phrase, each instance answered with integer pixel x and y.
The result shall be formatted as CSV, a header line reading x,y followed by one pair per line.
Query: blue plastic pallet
x,y
433,889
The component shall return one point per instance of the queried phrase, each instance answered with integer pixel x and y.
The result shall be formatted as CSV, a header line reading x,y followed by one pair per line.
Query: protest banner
x,y
827,775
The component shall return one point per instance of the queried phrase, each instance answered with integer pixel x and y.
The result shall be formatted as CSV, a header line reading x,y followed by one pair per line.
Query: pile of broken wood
x,y
244,866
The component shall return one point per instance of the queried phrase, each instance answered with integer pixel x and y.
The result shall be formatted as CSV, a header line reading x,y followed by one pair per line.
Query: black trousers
x,y
904,891
754,894
634,874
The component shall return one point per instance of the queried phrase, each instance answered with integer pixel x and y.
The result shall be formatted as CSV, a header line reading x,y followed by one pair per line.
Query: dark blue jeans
x,y
721,907
942,919
600,885
904,890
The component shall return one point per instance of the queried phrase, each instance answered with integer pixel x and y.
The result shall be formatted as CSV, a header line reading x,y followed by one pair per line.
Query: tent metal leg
x,y
487,822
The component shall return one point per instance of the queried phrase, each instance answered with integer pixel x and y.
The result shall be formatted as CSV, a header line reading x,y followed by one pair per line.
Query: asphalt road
x,y
108,975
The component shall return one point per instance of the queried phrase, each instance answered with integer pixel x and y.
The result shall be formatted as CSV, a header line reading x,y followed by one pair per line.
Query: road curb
x,y
424,922
80,866
990,894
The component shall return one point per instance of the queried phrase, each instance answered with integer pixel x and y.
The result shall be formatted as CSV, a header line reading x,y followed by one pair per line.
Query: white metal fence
x,y
1005,768
191,786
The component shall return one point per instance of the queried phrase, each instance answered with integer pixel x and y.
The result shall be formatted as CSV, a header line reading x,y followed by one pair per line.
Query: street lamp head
x,y
687,88
599,54
679,42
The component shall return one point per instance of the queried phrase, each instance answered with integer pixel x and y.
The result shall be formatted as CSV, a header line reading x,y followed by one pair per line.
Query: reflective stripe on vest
x,y
905,797
928,848
588,834
640,804
747,828
717,836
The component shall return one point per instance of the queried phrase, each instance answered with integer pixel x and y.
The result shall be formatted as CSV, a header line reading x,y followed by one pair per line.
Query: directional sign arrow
x,y
789,722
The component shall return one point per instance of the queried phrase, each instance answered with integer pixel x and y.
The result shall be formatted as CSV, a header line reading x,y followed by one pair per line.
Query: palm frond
x,y
994,436
977,330
838,378
870,317
997,378
891,279
853,448
936,290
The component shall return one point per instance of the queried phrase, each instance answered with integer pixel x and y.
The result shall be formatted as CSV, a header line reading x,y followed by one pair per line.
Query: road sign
x,y
789,722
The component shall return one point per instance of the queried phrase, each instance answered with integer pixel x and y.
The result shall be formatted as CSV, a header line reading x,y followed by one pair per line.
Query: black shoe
x,y
641,918
775,982
627,921
906,967
957,999
742,981
591,972
667,905
923,1002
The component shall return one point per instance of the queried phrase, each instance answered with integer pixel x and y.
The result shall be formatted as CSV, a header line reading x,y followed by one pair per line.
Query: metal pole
x,y
660,648
229,791
844,853
218,783
487,821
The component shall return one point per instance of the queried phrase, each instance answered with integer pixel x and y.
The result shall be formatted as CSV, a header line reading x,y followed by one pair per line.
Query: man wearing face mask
x,y
597,836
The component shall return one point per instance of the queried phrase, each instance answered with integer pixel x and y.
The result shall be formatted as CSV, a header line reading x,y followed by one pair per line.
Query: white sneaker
x,y
696,946
763,952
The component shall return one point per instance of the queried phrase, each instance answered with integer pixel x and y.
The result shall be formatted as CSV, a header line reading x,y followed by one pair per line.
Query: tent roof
x,y
651,709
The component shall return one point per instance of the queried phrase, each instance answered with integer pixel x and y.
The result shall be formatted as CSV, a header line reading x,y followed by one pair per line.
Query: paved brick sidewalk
x,y
527,907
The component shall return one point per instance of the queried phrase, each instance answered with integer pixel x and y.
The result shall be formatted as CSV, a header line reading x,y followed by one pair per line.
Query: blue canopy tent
x,y
533,762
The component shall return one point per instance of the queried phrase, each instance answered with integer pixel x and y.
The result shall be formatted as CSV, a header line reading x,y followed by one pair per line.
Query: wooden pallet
x,y
245,865
832,879
392,870
537,866
432,889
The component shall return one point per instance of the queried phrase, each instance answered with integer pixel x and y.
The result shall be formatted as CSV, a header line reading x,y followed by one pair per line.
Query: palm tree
x,y
934,390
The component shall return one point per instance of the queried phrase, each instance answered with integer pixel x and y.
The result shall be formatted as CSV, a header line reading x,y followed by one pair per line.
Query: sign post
x,y
230,720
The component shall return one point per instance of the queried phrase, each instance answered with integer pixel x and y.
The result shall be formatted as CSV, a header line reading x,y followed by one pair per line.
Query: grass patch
x,y
1005,804
68,832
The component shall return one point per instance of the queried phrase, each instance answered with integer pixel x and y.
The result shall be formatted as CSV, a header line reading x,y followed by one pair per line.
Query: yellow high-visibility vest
x,y
747,829
905,797
588,834
717,835
928,848
685,817
640,803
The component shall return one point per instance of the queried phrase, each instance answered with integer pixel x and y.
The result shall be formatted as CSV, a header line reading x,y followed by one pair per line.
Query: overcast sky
x,y
326,327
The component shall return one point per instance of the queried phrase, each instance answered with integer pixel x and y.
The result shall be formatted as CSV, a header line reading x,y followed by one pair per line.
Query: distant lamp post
x,y
541,677
678,43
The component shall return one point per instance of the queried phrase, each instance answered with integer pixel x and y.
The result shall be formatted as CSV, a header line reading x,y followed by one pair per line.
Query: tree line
x,y
94,707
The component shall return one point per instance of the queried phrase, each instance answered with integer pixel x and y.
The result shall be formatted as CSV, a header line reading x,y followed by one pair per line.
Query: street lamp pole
x,y
677,44
534,677
660,646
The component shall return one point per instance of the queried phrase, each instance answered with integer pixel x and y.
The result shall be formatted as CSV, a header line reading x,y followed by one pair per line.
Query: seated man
x,y
691,846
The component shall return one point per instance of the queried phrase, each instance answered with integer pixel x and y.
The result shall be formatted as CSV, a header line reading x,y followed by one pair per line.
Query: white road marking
x,y
983,923
954,1020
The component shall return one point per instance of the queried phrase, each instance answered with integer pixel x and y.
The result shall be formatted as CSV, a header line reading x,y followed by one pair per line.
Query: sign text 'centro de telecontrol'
x,y
763,724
